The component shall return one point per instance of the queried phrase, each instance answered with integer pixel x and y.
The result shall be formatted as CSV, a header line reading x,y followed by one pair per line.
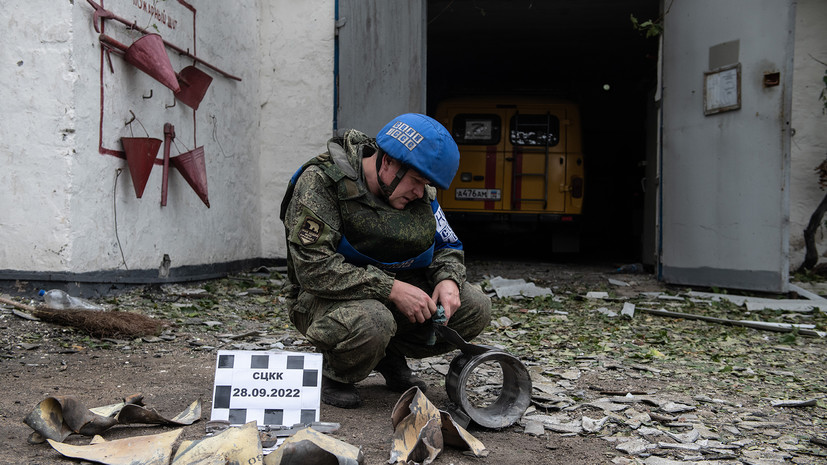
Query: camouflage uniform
x,y
342,305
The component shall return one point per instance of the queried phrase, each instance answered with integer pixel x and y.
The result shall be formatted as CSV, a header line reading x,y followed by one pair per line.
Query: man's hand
x,y
412,301
447,293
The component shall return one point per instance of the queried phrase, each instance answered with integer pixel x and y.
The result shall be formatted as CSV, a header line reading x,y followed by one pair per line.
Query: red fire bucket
x,y
140,156
194,84
150,56
194,169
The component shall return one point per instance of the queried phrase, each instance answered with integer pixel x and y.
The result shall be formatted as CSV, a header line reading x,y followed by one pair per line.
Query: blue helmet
x,y
422,143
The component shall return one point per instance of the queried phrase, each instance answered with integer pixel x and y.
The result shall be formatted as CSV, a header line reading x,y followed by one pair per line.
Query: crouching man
x,y
370,255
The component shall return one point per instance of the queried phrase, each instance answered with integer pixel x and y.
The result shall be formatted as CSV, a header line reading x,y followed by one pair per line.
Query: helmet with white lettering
x,y
422,143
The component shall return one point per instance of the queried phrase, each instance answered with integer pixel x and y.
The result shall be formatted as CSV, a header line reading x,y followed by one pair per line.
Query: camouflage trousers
x,y
354,335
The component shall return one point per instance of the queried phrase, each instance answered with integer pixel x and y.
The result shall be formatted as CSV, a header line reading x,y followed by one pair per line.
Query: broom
x,y
97,323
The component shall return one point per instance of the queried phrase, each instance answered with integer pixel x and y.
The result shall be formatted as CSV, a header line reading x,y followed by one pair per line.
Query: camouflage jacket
x,y
328,199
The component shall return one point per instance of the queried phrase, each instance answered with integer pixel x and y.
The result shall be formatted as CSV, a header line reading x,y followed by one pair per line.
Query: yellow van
x,y
521,163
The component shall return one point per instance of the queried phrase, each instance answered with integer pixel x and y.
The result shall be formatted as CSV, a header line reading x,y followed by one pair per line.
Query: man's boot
x,y
398,377
339,394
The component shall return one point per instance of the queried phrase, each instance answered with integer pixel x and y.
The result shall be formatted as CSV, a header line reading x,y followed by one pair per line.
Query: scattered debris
x,y
744,396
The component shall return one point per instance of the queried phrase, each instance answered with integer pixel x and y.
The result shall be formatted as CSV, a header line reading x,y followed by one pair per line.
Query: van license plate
x,y
477,194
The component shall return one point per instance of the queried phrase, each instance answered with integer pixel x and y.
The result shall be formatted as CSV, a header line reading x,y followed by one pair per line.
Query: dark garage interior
x,y
587,51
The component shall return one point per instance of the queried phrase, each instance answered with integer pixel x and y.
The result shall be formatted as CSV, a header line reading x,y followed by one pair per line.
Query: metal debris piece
x,y
310,446
420,431
417,429
132,413
458,437
155,449
237,444
57,417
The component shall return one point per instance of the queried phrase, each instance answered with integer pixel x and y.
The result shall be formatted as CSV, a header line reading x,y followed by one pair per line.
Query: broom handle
x,y
28,308
103,13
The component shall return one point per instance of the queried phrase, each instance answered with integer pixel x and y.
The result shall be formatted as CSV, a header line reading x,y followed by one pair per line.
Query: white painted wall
x,y
296,101
59,196
38,136
809,143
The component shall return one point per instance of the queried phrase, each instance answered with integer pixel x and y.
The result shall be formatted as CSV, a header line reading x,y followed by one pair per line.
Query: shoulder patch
x,y
310,231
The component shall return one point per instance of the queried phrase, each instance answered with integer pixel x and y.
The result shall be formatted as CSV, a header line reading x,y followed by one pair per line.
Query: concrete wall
x,y
61,198
809,142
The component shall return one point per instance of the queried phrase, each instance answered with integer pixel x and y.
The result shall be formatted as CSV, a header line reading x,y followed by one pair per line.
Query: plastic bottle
x,y
57,299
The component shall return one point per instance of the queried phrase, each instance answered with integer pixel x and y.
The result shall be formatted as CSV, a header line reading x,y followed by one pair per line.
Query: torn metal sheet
x,y
454,435
57,417
132,413
155,449
417,426
237,444
310,446
112,410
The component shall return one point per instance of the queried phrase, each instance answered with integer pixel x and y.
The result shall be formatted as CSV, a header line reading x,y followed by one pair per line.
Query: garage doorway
x,y
586,51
